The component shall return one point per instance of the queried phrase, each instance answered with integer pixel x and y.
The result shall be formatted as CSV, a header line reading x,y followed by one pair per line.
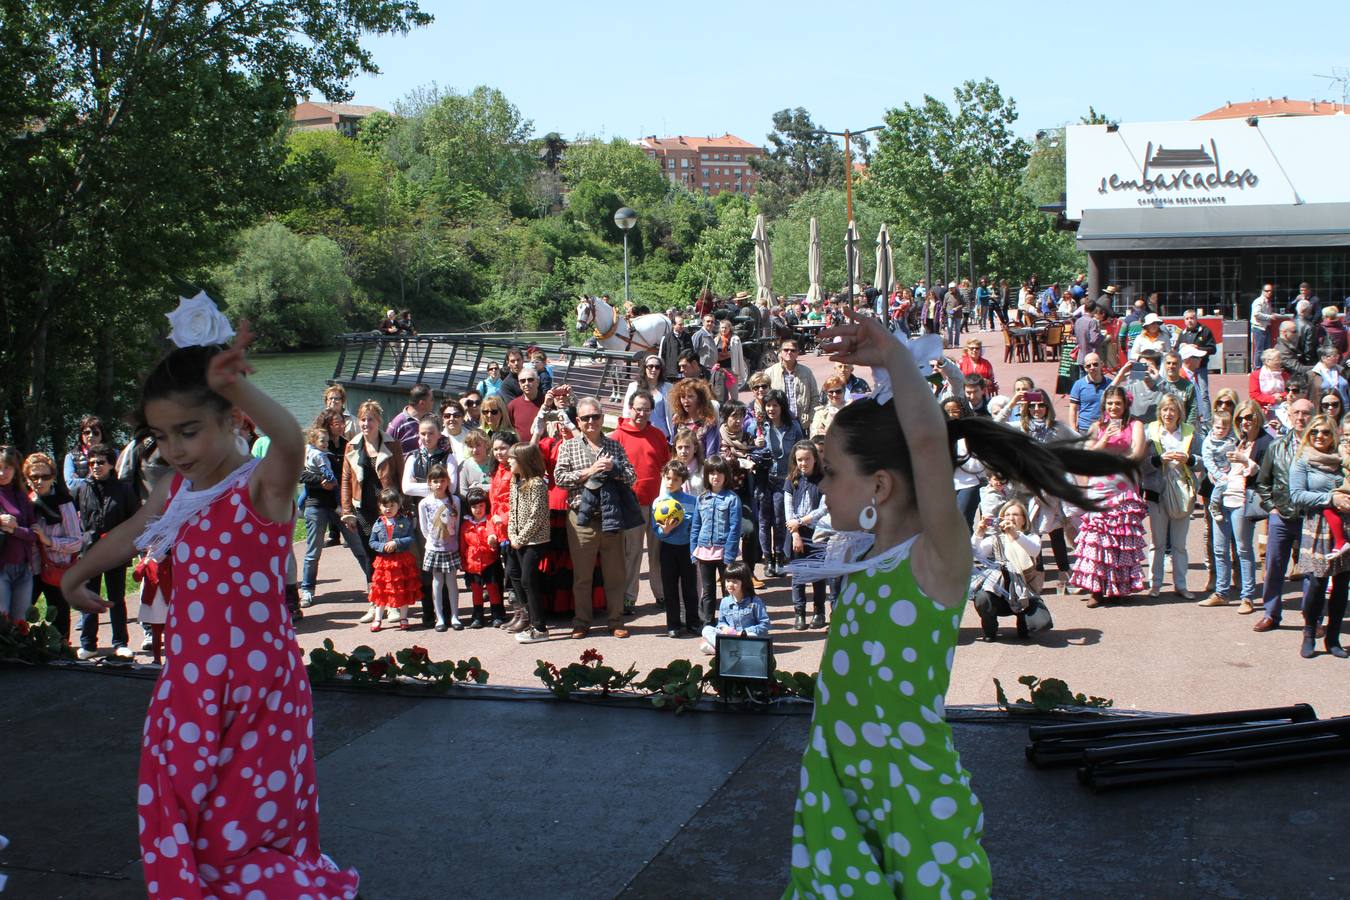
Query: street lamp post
x,y
625,218
847,134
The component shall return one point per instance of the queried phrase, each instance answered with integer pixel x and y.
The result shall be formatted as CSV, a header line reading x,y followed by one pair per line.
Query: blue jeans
x,y
968,502
1260,343
317,521
1234,527
16,590
1282,536
115,592
772,516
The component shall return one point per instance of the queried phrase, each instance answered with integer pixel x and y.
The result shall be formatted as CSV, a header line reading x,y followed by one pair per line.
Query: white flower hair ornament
x,y
198,322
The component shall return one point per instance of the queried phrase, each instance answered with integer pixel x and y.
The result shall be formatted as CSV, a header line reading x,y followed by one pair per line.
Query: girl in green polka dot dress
x,y
885,808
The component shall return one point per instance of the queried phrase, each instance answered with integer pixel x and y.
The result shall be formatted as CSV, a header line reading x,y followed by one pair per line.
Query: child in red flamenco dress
x,y
480,556
227,803
395,582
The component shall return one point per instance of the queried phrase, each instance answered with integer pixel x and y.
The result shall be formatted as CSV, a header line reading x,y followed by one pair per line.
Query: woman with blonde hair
x,y
1314,478
494,418
373,463
692,408
1169,466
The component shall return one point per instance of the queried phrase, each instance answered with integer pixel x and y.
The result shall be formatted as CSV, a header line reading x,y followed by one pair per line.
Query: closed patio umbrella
x,y
813,264
885,276
851,257
763,262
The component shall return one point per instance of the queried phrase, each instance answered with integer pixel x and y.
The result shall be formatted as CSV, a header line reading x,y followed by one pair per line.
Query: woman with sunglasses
x,y
1046,516
494,415
834,397
491,384
1233,462
1313,481
57,526
1330,404
651,381
75,470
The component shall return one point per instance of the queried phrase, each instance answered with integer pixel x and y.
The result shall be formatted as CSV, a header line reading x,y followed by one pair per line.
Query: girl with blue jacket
x,y
714,532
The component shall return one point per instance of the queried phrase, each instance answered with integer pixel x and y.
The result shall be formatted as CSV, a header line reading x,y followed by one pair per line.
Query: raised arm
x,y
272,485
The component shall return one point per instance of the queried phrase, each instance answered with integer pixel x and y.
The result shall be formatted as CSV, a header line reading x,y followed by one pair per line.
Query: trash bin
x,y
1235,361
1236,348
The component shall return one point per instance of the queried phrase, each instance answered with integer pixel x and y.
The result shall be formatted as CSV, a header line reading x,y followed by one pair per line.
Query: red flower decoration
x,y
592,655
22,627
472,673
378,667
418,653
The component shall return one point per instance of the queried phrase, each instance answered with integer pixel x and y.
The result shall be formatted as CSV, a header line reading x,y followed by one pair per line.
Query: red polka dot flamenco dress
x,y
228,803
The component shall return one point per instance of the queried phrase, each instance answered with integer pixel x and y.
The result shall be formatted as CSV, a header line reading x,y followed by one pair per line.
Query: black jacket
x,y
103,505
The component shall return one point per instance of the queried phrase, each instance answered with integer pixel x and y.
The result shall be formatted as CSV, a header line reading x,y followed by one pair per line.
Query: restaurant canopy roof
x,y
1216,227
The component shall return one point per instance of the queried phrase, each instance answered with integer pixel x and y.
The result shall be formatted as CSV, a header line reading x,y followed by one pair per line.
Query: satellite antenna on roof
x,y
1340,78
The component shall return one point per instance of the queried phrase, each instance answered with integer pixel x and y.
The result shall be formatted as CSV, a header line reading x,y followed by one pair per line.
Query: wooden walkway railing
x,y
451,363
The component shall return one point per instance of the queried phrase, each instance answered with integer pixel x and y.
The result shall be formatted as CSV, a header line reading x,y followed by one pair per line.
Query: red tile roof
x,y
697,143
1273,106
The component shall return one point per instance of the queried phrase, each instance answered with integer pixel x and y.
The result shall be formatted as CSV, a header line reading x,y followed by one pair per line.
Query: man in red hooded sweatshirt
x,y
648,450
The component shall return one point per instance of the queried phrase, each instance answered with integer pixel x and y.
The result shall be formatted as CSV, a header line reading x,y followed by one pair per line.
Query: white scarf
x,y
161,532
842,557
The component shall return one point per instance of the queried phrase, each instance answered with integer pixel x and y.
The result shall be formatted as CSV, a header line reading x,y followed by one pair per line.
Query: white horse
x,y
612,331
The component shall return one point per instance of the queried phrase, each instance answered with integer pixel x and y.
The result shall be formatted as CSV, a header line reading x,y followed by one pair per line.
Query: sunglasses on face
x,y
97,463
452,415
473,403
653,365
589,417
1247,418
1323,432
1334,404
1223,402
492,412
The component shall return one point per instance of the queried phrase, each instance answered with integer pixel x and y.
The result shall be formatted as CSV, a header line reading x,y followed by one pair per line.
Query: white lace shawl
x,y
161,532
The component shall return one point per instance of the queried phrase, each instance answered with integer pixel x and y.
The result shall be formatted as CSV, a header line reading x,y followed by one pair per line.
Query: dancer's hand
x,y
85,600
861,341
229,366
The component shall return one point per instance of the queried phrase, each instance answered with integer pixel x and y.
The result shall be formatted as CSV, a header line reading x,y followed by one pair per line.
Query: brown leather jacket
x,y
388,466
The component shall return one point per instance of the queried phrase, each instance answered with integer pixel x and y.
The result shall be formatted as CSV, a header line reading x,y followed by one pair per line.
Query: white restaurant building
x,y
1206,211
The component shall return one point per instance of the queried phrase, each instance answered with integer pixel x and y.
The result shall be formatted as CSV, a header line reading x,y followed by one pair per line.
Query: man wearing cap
x,y
1153,337
1196,335
1107,298
1193,361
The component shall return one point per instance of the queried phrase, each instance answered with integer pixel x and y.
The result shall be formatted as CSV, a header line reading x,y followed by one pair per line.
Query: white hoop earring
x,y
867,519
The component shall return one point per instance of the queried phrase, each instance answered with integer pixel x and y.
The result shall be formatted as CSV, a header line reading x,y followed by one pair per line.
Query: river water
x,y
296,380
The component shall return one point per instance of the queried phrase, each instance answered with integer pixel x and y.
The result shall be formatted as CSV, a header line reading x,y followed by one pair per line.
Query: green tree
x,y
724,257
467,146
799,158
602,177
139,138
959,171
292,288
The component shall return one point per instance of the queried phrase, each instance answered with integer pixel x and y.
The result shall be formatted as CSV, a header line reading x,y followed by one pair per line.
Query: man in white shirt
x,y
1260,319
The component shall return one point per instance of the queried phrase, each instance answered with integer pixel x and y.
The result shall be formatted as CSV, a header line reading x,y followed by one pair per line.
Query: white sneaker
x,y
369,616
707,648
306,599
88,654
530,636
395,615
124,653
148,642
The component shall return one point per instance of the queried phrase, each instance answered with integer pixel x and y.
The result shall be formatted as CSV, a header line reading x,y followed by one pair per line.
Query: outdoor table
x,y
809,332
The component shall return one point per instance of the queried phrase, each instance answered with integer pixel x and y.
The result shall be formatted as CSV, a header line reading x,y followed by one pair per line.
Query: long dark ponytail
x,y
872,436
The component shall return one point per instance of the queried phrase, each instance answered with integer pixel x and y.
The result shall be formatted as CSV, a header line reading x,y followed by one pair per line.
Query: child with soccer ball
x,y
670,521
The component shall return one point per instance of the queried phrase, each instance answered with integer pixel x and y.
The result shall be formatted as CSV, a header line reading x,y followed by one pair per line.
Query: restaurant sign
x,y
1222,162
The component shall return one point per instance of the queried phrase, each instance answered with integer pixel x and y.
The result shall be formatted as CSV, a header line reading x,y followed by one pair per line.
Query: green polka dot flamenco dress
x,y
885,808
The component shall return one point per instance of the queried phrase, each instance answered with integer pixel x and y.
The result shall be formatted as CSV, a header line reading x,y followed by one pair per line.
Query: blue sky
x,y
627,69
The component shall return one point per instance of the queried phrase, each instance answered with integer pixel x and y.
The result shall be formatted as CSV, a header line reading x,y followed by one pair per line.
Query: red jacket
x,y
648,450
1254,388
499,500
983,368
477,545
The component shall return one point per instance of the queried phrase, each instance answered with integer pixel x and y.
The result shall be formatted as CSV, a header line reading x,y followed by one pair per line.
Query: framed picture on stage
x,y
745,658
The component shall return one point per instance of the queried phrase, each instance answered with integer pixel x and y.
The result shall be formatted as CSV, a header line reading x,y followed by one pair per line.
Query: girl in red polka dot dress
x,y
227,804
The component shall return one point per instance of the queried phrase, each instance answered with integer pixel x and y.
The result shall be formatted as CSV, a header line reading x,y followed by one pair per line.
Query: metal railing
x,y
453,362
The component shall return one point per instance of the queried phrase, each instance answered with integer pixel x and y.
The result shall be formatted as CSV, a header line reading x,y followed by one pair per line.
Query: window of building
x,y
1207,282
1328,272
684,163
705,156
